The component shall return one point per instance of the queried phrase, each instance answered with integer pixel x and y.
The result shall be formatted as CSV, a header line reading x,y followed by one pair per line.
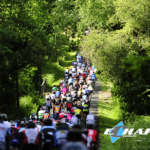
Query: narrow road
x,y
94,106
95,99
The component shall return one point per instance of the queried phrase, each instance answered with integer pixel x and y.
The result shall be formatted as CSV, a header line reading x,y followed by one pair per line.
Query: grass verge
x,y
109,112
53,72
138,142
110,115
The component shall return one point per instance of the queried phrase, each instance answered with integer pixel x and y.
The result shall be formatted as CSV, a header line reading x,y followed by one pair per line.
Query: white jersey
x,y
53,96
47,96
3,132
73,69
90,119
48,102
61,136
74,120
7,124
31,134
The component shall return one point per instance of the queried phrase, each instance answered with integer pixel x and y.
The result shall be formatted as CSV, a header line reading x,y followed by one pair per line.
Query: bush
x,y
27,106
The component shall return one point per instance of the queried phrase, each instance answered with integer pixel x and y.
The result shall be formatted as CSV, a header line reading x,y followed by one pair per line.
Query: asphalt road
x,y
94,107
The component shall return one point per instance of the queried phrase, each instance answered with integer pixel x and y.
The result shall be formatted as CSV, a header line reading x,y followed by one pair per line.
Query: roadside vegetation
x,y
109,116
53,72
38,39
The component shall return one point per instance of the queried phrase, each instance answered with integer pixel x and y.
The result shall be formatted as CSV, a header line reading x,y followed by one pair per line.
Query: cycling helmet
x,y
47,122
30,124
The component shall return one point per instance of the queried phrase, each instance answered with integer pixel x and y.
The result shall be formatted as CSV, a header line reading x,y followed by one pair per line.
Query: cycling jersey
x,y
53,96
77,111
69,105
85,108
61,136
58,94
57,108
13,136
93,77
83,75
70,81
90,120
93,134
84,97
41,114
3,132
74,120
46,116
31,136
48,136
64,90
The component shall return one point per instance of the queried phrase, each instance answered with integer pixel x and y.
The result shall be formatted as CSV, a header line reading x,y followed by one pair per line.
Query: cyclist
x,y
48,135
69,105
57,109
14,141
30,137
33,117
90,119
92,137
61,133
74,120
41,113
76,135
3,134
85,109
46,115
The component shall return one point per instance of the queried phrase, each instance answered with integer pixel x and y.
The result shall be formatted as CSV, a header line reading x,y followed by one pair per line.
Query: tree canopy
x,y
30,30
118,43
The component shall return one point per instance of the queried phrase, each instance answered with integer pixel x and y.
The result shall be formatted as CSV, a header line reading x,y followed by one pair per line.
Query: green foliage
x,y
140,141
26,78
27,106
32,31
94,13
134,85
118,43
110,115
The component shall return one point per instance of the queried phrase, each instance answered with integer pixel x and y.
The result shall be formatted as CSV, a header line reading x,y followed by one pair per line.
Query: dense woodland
x,y
31,31
118,43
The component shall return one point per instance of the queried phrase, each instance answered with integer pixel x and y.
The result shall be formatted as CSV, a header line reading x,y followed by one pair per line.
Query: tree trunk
x,y
17,90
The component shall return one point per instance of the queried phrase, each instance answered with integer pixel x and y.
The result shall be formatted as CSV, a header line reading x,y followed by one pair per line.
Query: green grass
x,y
110,115
109,112
140,142
53,72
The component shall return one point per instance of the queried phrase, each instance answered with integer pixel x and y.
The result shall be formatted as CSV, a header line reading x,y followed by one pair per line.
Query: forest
x,y
34,33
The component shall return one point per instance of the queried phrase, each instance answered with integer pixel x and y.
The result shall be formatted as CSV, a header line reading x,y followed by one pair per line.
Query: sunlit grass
x,y
109,112
110,115
53,72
